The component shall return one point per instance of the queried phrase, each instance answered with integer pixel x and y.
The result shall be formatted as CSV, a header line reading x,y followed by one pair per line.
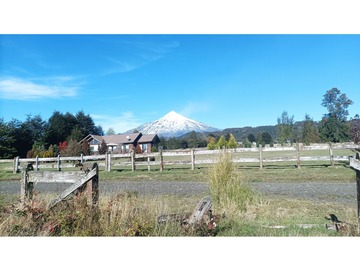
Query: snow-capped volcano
x,y
173,125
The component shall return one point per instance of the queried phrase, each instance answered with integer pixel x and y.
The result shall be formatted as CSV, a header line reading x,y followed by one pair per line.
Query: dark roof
x,y
122,138
148,138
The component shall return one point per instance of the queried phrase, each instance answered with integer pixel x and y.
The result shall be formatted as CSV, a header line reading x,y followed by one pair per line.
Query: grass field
x,y
130,214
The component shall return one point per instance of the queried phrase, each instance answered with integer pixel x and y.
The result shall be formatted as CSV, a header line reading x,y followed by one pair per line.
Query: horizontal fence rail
x,y
190,157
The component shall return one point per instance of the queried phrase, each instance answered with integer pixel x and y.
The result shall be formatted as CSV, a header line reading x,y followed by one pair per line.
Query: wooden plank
x,y
355,164
73,188
202,208
55,177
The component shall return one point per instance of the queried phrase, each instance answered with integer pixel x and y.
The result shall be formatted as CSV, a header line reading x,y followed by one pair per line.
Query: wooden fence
x,y
191,158
355,165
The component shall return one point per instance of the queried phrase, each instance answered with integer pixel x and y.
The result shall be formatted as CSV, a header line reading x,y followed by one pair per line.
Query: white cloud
x,y
140,54
25,89
120,123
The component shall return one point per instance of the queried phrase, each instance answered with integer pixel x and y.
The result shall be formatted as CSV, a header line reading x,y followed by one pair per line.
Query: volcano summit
x,y
173,125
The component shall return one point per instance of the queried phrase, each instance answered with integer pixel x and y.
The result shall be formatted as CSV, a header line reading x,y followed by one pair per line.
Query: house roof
x,y
122,138
115,139
145,138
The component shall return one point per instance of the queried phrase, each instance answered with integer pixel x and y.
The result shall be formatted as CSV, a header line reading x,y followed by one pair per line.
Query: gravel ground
x,y
344,193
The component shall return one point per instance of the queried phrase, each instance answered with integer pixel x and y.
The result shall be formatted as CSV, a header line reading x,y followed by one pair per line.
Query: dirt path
x,y
344,193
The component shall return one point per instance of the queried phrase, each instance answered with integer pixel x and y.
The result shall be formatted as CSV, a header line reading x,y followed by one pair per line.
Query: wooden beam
x,y
73,188
200,210
355,164
55,177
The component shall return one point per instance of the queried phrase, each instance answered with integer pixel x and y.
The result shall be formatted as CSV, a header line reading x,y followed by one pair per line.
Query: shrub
x,y
226,187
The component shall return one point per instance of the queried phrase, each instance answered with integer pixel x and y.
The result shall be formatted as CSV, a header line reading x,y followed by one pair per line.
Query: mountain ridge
x,y
173,125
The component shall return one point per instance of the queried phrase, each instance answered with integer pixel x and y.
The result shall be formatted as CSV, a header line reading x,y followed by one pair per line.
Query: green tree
x,y
246,143
232,142
172,143
266,138
332,129
251,137
310,133
355,129
193,140
6,140
211,143
285,126
336,104
221,142
110,131
27,133
75,134
333,126
85,124
98,130
59,127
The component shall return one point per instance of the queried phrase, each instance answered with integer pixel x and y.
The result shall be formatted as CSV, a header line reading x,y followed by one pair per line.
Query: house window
x,y
144,146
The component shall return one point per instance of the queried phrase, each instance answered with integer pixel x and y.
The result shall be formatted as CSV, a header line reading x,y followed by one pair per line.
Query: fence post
x,y
331,154
108,162
26,189
16,165
37,163
192,159
358,192
161,160
260,157
58,163
92,187
82,158
298,155
133,167
23,187
148,161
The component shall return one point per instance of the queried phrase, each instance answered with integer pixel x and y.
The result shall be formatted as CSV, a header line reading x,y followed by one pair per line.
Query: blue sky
x,y
225,81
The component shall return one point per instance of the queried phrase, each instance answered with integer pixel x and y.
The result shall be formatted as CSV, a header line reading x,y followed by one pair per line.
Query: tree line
x,y
35,136
334,126
61,132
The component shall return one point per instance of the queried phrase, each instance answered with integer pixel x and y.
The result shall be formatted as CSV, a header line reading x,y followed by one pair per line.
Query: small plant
x,y
226,186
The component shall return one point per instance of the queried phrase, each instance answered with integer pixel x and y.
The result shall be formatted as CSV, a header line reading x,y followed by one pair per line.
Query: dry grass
x,y
128,214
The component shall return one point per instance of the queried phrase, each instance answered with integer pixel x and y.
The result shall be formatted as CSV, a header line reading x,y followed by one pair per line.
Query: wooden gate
x,y
83,182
